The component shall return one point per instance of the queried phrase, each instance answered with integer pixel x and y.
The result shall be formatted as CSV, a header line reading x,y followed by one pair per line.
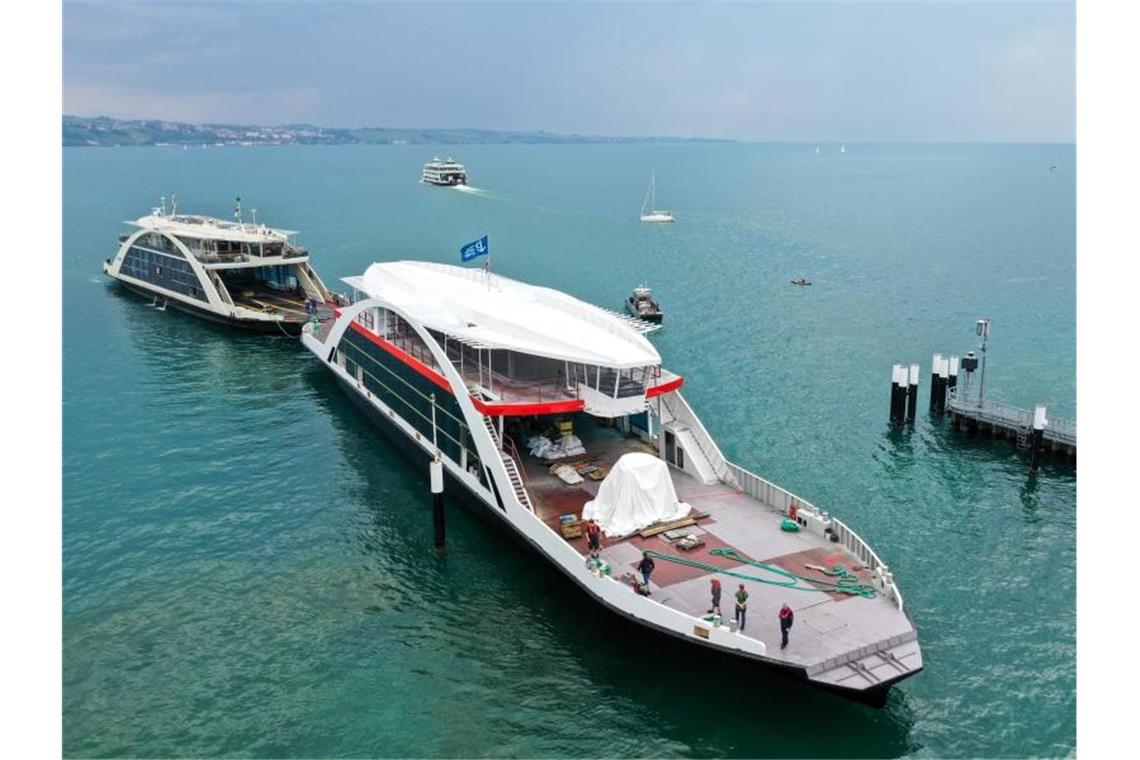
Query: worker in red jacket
x,y
593,536
715,588
786,619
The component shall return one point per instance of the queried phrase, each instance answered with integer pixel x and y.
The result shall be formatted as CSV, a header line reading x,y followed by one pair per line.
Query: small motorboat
x,y
801,281
643,305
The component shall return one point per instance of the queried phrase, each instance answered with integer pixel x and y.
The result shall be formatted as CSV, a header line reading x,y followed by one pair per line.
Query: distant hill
x,y
105,131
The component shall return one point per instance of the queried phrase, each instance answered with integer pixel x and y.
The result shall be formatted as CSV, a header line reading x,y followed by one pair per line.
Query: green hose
x,y
846,582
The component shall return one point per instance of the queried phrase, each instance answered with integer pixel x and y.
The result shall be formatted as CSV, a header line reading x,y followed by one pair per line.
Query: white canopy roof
x,y
211,228
637,493
498,312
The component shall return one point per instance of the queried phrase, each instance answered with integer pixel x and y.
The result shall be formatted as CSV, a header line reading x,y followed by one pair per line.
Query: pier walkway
x,y
1005,421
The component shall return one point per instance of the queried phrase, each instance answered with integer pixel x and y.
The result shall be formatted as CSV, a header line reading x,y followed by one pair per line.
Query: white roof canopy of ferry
x,y
502,313
209,228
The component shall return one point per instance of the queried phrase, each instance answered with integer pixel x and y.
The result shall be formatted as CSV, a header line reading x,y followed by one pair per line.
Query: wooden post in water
x,y
943,382
1037,437
912,394
898,394
437,520
934,381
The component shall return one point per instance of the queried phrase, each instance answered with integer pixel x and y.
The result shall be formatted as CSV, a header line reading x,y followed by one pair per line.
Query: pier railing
x,y
997,413
781,500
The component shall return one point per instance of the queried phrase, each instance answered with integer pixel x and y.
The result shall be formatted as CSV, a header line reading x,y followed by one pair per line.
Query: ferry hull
x,y
440,183
632,627
258,326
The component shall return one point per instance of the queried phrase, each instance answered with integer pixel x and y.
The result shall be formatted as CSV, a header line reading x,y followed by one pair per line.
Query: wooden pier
x,y
1004,421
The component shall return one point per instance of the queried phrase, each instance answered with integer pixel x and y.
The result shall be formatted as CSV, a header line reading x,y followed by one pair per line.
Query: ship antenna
x,y
162,200
173,205
254,212
237,210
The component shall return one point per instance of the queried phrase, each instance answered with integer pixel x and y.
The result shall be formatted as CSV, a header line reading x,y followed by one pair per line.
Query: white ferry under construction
x,y
446,173
542,407
236,273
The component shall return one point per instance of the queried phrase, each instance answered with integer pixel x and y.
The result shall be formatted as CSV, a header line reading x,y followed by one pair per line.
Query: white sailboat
x,y
650,203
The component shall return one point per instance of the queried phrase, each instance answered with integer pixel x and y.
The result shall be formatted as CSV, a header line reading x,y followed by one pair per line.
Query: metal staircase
x,y
514,474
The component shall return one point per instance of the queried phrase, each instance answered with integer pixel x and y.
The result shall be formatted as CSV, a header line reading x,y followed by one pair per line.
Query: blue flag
x,y
474,249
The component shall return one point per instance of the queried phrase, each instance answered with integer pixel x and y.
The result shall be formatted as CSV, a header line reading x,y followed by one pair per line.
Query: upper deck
x,y
221,244
491,312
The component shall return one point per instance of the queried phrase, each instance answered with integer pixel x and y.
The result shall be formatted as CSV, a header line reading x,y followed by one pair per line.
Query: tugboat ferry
x,y
643,305
241,274
541,408
445,173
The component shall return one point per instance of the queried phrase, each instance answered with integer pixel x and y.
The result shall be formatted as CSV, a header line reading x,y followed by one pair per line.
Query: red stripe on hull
x,y
403,356
669,387
485,408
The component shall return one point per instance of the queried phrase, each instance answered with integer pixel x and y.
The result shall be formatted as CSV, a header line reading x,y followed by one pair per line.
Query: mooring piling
x,y
935,363
1037,437
437,519
943,383
912,393
898,394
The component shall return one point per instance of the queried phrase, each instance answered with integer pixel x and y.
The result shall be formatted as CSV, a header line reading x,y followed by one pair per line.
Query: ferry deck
x,y
837,638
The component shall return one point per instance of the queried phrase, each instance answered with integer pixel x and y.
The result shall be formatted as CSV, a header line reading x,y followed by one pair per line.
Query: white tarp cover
x,y
637,493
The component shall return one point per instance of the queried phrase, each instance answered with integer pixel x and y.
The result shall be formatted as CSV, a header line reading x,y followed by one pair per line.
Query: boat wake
x,y
470,190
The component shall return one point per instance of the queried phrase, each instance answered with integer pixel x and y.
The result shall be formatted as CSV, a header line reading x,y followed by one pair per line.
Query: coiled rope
x,y
846,581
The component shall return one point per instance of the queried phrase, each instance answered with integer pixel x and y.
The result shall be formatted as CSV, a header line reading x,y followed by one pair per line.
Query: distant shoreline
x,y
103,131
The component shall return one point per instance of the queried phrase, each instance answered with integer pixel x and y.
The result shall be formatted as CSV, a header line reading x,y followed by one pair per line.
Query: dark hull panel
x,y
260,326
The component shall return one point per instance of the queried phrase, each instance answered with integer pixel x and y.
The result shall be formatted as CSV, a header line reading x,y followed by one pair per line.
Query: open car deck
x,y
849,641
291,306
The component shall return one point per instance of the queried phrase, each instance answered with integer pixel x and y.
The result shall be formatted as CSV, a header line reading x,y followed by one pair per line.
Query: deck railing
x,y
764,491
780,500
862,550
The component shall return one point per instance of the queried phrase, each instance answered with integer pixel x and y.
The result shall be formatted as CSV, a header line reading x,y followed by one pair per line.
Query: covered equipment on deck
x,y
637,493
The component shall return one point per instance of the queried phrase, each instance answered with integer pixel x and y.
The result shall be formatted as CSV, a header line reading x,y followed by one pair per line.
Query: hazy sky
x,y
772,71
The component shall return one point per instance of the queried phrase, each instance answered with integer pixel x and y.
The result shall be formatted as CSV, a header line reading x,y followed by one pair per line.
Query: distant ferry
x,y
241,274
446,173
490,379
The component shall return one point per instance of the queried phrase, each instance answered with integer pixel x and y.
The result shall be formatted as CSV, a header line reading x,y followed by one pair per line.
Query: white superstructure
x,y
239,273
494,378
448,172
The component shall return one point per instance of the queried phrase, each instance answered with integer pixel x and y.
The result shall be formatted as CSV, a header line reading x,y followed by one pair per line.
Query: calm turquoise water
x,y
248,567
